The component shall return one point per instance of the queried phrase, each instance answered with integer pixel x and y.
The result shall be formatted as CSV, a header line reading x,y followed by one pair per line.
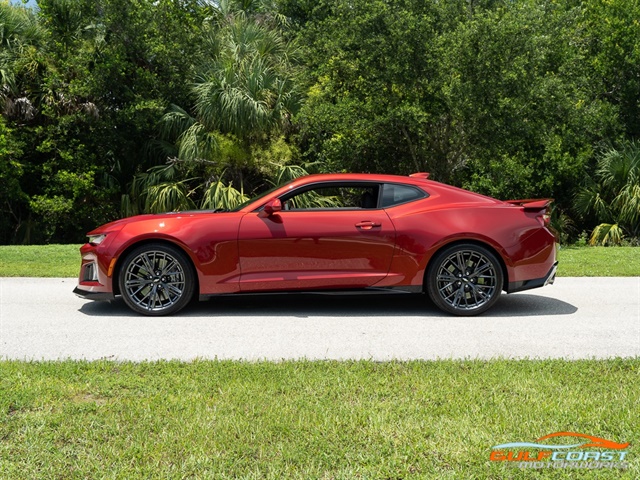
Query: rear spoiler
x,y
424,175
532,204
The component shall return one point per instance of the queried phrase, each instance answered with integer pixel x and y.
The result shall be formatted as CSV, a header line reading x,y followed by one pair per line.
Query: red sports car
x,y
323,233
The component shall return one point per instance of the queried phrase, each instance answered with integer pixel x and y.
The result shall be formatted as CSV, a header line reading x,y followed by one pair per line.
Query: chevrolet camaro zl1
x,y
331,232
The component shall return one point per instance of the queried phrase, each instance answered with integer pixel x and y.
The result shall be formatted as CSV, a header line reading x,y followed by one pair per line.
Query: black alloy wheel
x,y
464,279
157,279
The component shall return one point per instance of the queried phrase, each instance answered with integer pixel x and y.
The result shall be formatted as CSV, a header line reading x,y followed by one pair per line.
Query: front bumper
x,y
548,279
94,280
92,295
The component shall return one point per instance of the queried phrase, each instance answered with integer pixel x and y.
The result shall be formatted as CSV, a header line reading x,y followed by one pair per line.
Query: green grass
x,y
341,420
599,262
39,260
64,261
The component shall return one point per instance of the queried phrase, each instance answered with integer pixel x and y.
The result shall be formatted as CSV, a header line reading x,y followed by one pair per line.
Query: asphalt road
x,y
574,318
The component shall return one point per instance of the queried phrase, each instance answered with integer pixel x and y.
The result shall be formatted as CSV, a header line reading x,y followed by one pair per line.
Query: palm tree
x,y
25,61
245,88
20,40
613,197
248,89
245,95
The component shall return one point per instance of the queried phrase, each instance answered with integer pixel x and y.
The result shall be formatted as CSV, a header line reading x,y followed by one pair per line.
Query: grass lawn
x,y
326,420
599,262
64,261
39,260
341,420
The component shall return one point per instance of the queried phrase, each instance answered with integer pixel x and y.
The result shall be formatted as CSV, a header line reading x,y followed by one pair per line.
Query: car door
x,y
317,242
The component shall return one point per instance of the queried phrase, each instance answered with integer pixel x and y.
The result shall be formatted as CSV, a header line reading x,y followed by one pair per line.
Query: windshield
x,y
254,199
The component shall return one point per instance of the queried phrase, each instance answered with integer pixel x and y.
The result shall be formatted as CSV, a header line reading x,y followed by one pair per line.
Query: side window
x,y
349,197
394,194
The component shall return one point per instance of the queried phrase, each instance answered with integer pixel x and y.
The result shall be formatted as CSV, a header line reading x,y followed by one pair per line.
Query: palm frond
x,y
562,223
607,234
161,150
174,123
197,143
128,207
628,203
220,196
168,197
286,173
590,200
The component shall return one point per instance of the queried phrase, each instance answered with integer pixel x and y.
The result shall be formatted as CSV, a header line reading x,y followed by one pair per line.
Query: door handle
x,y
367,225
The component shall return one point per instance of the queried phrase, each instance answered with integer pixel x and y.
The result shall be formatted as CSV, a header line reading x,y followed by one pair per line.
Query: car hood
x,y
119,224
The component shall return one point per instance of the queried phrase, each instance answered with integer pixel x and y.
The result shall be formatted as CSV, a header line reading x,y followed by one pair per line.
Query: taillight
x,y
544,219
539,208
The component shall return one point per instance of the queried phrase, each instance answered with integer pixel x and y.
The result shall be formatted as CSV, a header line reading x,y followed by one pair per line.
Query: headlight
x,y
97,239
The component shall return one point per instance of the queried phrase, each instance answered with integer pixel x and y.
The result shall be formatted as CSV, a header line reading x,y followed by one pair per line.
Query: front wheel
x,y
464,279
156,279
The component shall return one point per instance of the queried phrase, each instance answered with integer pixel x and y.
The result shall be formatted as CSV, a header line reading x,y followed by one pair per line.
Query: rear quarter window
x,y
395,194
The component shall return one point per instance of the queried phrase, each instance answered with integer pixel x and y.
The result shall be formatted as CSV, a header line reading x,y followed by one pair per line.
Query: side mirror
x,y
273,206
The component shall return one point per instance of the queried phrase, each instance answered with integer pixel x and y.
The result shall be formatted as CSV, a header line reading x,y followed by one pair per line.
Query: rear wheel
x,y
156,279
464,279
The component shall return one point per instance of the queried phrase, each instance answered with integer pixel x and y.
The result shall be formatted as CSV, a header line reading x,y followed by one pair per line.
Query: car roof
x,y
420,180
355,177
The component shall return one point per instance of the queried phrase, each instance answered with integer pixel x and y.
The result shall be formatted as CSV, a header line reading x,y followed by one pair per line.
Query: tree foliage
x,y
492,96
612,197
244,97
86,83
113,107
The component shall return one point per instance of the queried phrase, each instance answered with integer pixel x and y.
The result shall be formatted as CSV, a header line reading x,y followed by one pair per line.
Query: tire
x,y
464,279
156,279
